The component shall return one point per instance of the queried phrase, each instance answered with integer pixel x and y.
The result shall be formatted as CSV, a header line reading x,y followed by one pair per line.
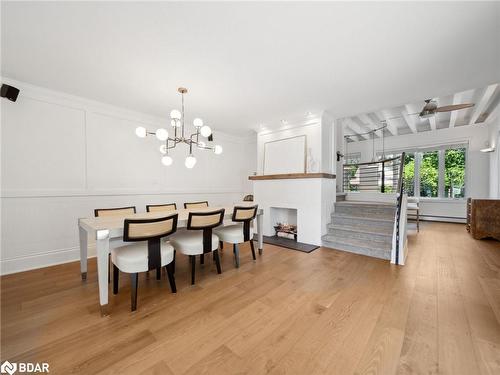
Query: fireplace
x,y
284,222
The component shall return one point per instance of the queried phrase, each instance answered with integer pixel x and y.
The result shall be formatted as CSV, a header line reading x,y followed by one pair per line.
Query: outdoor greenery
x,y
429,174
454,177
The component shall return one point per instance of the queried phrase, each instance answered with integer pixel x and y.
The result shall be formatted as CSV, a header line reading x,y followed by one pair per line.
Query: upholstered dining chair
x,y
240,232
161,207
194,205
117,211
413,207
199,238
145,252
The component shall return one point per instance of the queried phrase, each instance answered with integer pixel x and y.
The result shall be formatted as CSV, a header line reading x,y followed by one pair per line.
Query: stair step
x,y
376,252
369,230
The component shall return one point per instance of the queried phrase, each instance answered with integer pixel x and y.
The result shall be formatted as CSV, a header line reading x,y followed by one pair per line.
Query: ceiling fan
x,y
430,108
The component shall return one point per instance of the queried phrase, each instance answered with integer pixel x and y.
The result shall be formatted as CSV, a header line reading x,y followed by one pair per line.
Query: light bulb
x,y
202,144
218,149
167,160
198,122
163,149
162,134
190,161
205,130
140,132
175,114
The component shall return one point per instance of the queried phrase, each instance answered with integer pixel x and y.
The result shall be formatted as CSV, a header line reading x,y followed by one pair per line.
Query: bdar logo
x,y
8,367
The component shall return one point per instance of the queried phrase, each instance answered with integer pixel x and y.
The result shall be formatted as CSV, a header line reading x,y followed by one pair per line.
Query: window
x,y
437,172
429,169
454,173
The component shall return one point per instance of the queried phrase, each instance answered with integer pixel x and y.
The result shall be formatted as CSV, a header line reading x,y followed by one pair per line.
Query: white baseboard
x,y
52,258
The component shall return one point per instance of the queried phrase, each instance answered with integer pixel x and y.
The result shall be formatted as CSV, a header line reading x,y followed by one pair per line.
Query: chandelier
x,y
178,126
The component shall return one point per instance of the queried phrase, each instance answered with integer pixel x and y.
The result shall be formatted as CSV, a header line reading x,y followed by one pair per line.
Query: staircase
x,y
362,228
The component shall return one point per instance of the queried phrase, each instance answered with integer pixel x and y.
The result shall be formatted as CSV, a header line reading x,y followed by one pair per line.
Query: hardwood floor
x,y
327,312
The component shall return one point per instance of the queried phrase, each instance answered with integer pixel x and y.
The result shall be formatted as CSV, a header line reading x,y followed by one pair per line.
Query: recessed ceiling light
x,y
309,114
284,122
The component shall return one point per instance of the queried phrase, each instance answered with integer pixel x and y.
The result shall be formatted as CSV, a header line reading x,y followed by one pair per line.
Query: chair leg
x,y
171,278
192,258
134,279
158,273
221,245
202,259
109,268
253,249
418,221
173,262
116,273
217,261
236,252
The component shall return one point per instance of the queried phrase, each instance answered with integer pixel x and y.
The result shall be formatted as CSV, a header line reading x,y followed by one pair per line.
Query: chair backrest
x,y
245,215
151,230
161,207
194,205
205,221
248,198
118,211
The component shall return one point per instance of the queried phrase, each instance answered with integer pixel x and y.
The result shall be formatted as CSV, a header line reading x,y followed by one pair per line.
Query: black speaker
x,y
9,92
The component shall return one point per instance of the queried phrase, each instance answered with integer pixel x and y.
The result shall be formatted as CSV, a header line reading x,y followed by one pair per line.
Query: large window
x,y
434,172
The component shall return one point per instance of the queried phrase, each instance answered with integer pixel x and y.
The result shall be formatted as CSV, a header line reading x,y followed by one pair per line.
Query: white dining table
x,y
108,233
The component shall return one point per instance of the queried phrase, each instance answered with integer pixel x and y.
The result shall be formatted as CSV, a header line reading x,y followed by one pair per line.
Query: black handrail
x,y
399,204
382,175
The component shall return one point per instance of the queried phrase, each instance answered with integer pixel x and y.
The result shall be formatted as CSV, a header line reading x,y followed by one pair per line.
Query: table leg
x,y
260,235
102,268
83,252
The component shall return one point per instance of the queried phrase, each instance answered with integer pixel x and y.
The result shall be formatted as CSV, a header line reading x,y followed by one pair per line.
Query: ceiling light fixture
x,y
177,122
488,148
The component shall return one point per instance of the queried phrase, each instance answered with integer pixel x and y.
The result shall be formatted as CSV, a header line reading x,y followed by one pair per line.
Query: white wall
x,y
494,141
312,131
63,156
477,169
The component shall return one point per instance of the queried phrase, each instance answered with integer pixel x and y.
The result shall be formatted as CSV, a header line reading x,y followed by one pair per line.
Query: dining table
x,y
108,234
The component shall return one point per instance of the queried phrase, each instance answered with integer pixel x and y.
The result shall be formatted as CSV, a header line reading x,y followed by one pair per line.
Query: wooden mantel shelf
x,y
288,176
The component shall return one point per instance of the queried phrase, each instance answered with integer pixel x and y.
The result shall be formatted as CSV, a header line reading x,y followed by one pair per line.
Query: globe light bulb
x,y
163,149
202,144
205,130
175,114
140,132
218,149
190,161
162,134
167,160
198,122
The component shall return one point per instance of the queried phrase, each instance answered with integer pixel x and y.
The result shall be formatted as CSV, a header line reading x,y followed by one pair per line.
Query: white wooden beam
x,y
356,128
457,99
432,122
481,106
390,125
410,120
365,119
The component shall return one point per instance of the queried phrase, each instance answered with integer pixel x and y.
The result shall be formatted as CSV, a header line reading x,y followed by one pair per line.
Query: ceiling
x,y
248,64
405,119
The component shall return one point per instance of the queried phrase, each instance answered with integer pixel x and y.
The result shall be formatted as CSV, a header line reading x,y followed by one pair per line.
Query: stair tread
x,y
381,253
361,230
347,216
355,242
367,203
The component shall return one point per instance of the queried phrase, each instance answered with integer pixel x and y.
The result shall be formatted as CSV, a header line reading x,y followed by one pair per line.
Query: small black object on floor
x,y
288,243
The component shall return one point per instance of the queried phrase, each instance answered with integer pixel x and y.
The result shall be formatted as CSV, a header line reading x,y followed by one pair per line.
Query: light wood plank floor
x,y
328,312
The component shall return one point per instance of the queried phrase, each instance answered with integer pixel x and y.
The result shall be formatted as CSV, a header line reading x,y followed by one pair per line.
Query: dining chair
x,y
161,207
414,206
241,232
193,205
199,238
108,212
146,251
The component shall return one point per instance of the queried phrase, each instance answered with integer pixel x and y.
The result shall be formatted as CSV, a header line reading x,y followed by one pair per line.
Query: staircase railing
x,y
400,227
382,176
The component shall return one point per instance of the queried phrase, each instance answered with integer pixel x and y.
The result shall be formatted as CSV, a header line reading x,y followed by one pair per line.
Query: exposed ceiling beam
x,y
432,122
356,128
410,120
457,99
365,119
384,115
481,106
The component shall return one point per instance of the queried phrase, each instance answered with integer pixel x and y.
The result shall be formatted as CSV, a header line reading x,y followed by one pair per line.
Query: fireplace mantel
x,y
289,176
